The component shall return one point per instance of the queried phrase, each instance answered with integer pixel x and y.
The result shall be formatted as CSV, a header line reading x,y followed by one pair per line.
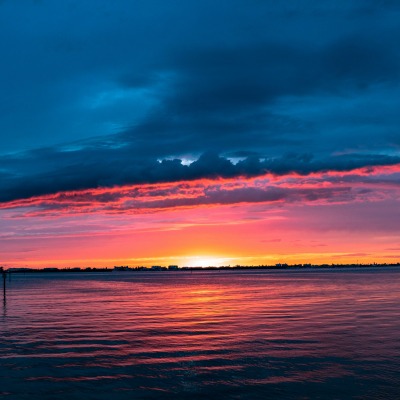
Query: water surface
x,y
207,335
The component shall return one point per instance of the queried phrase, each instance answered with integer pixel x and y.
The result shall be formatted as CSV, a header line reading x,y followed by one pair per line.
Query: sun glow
x,y
206,261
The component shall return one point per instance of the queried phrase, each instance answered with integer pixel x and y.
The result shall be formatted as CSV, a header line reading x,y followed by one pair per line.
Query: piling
x,y
4,283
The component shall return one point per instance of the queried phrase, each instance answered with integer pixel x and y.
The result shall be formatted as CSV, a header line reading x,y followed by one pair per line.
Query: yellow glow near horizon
x,y
206,261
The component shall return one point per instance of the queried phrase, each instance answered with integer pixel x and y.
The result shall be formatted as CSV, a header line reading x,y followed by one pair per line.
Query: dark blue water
x,y
206,335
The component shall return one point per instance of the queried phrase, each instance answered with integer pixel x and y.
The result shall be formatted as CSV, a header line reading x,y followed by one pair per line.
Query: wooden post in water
x,y
4,282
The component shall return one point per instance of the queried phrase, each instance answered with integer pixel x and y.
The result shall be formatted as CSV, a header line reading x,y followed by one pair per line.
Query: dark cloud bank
x,y
95,97
106,172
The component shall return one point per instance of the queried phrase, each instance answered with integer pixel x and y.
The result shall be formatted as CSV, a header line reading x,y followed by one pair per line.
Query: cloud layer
x,y
146,92
332,187
95,171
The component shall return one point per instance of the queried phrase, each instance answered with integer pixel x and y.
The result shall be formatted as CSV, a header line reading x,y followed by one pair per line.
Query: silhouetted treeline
x,y
125,268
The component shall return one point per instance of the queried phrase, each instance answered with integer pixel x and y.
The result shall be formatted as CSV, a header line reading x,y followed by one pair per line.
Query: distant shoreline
x,y
124,269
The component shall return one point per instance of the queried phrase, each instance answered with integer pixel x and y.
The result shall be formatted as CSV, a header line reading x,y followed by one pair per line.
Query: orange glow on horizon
x,y
325,218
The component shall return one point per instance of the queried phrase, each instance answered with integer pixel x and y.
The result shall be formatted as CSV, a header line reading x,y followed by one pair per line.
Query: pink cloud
x,y
363,184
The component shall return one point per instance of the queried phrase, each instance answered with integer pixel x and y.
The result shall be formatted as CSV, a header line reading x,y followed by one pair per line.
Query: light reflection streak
x,y
177,332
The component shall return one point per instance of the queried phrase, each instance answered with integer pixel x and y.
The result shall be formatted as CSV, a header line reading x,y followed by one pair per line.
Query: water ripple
x,y
247,335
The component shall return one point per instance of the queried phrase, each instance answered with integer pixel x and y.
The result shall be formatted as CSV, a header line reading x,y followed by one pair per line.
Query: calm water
x,y
206,335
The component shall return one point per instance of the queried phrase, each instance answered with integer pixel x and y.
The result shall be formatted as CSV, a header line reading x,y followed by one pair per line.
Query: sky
x,y
191,132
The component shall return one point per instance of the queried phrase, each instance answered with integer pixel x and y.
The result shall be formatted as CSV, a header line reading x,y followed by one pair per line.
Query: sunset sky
x,y
199,132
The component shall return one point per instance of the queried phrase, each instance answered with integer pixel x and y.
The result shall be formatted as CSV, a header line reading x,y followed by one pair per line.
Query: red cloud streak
x,y
329,187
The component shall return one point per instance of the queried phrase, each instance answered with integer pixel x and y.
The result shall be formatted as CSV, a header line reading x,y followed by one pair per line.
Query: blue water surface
x,y
331,334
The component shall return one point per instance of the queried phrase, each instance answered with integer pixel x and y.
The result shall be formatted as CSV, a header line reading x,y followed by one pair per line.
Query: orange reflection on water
x,y
174,330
